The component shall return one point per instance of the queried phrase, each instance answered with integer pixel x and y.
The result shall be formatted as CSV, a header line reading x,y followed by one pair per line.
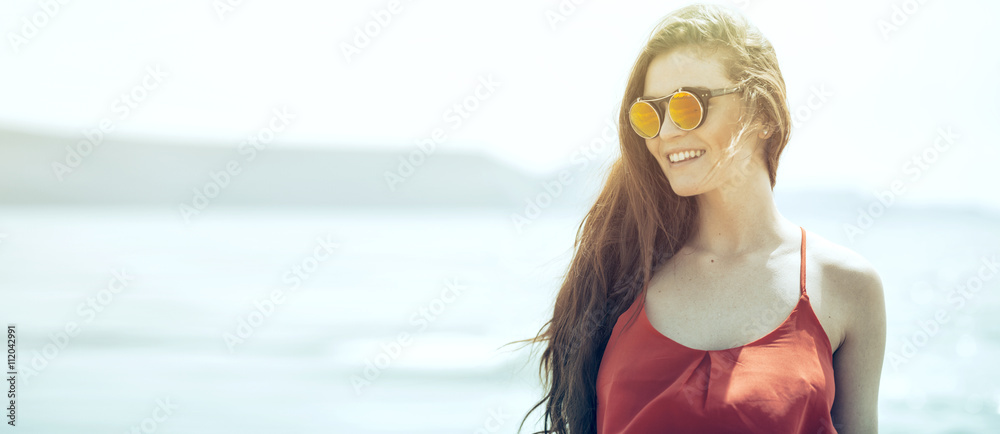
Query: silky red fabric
x,y
780,383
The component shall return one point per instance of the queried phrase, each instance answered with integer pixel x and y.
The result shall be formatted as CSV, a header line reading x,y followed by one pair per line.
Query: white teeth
x,y
681,156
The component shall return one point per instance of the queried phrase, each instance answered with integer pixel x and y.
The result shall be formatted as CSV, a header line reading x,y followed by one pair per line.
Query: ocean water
x,y
250,321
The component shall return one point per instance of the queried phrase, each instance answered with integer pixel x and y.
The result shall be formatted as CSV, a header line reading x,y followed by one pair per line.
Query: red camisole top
x,y
780,383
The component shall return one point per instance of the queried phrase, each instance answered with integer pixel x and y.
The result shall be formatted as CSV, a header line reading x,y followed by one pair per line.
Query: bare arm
x,y
857,364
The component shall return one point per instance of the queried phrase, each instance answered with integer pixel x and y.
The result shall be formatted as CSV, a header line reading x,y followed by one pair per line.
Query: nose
x,y
668,130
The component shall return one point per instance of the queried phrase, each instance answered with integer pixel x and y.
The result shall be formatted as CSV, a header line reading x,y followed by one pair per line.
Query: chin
x,y
685,190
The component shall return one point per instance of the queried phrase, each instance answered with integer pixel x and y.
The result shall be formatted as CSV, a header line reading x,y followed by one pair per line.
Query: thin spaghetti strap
x,y
802,266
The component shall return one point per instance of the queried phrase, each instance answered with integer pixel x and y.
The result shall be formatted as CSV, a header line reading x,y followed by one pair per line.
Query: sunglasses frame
x,y
701,94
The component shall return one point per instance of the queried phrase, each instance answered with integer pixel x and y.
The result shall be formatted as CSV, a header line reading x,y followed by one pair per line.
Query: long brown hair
x,y
638,221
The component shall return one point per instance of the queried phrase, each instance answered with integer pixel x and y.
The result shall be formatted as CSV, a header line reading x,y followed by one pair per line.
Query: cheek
x,y
651,147
720,126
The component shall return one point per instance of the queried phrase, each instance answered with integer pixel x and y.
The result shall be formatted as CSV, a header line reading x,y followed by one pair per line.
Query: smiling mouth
x,y
680,157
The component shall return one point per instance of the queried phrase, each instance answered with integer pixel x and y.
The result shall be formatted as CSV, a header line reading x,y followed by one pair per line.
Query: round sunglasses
x,y
687,109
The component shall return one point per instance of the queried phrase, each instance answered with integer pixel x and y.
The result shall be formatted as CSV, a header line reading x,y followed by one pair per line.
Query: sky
x,y
872,84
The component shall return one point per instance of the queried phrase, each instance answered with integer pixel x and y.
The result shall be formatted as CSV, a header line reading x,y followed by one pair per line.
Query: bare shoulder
x,y
852,287
854,295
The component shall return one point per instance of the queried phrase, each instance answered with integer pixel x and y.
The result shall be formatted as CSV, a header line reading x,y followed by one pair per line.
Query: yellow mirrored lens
x,y
644,119
685,110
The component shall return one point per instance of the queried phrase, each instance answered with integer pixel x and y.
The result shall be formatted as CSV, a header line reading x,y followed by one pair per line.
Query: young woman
x,y
691,304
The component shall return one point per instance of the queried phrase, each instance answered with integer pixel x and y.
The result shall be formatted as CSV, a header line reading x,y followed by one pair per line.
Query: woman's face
x,y
687,67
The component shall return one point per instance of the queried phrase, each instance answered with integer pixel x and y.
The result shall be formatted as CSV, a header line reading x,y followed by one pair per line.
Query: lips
x,y
685,156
